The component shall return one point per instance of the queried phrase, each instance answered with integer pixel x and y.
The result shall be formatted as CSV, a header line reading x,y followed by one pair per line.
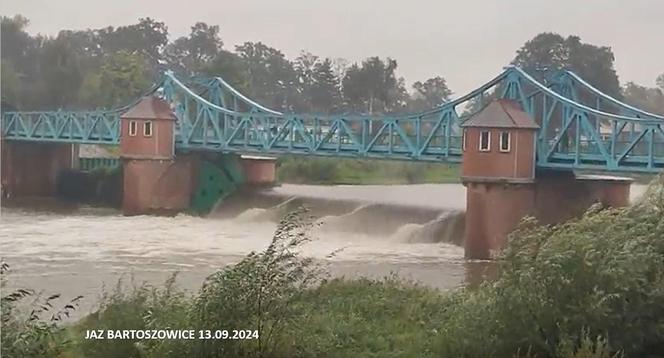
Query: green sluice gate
x,y
217,180
90,164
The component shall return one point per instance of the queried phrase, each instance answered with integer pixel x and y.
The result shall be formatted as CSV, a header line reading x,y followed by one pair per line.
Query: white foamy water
x,y
448,196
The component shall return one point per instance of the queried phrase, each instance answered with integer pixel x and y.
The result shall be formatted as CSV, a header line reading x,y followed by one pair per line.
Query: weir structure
x,y
191,143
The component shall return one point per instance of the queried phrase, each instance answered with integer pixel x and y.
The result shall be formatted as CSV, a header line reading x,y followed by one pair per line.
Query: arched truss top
x,y
221,93
580,90
573,135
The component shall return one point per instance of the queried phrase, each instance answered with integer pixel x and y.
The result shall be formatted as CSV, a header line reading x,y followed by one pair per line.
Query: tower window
x,y
132,128
485,141
147,129
505,142
463,140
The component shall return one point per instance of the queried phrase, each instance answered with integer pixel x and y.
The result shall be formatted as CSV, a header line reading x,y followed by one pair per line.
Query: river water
x,y
413,231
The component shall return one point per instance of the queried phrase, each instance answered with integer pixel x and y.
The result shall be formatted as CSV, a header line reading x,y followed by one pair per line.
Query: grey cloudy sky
x,y
465,41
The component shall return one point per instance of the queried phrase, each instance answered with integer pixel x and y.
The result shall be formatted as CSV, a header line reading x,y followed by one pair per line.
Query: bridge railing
x,y
415,139
95,127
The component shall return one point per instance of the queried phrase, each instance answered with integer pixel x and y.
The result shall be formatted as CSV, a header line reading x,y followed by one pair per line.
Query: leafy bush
x,y
141,307
31,335
257,294
367,318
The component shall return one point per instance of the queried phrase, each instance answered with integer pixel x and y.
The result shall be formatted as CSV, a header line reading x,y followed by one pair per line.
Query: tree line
x,y
109,67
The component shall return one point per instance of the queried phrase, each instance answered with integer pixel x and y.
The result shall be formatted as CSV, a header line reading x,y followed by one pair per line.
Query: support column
x,y
259,171
32,168
493,210
158,186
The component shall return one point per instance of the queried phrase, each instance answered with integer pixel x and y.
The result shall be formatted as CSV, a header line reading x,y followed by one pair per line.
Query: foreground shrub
x,y
140,307
602,274
34,334
367,318
256,294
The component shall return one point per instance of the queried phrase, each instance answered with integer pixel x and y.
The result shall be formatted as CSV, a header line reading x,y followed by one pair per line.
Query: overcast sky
x,y
465,41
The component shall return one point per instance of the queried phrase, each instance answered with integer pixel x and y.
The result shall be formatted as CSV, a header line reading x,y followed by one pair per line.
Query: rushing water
x,y
413,231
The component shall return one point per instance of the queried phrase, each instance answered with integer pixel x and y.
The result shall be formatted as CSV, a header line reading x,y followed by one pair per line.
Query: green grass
x,y
368,318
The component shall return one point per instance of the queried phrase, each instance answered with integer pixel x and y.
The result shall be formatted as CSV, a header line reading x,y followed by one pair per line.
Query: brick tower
x,y
499,174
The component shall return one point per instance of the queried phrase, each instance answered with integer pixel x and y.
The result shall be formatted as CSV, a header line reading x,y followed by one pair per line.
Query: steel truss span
x,y
581,127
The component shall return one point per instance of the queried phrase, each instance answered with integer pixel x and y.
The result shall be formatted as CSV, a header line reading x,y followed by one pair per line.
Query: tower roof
x,y
501,113
150,107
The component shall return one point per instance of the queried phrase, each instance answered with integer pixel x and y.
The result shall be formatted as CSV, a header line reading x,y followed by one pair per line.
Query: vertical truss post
x,y
578,139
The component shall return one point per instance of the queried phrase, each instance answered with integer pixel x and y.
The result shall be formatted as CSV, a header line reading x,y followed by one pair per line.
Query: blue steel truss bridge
x,y
580,127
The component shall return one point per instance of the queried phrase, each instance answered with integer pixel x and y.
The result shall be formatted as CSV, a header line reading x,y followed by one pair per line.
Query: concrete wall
x,y
492,212
259,171
563,197
32,169
158,186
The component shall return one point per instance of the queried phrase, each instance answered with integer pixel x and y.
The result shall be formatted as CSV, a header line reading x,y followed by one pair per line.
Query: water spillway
x,y
365,211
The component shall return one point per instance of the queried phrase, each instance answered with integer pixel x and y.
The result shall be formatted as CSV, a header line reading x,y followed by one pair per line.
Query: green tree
x,y
324,94
550,51
272,78
304,65
318,85
429,94
374,87
19,60
11,86
193,53
649,99
15,40
60,73
148,37
230,67
123,77
304,72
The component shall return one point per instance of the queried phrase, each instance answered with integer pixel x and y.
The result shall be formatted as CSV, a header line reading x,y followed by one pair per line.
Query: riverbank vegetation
x,y
301,170
592,287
